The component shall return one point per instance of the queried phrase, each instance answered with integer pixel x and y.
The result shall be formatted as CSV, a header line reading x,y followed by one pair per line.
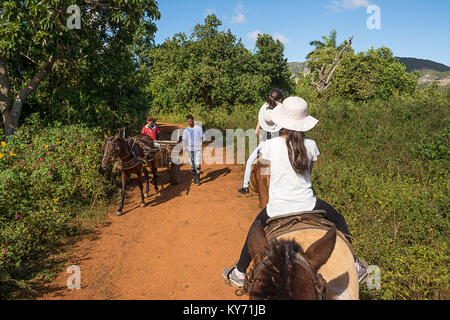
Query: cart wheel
x,y
174,173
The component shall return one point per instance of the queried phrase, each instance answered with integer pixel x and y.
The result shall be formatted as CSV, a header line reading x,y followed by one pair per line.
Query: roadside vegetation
x,y
384,142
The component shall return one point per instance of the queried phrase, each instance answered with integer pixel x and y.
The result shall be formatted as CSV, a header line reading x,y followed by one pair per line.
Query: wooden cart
x,y
163,159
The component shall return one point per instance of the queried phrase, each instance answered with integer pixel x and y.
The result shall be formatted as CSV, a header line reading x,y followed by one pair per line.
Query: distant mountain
x,y
428,76
430,71
297,67
422,64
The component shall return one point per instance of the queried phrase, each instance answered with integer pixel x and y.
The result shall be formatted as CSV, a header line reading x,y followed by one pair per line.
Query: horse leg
x,y
139,175
155,176
124,177
147,188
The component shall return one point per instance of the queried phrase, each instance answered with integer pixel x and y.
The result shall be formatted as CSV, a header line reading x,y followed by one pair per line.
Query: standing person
x,y
275,97
151,129
193,139
291,158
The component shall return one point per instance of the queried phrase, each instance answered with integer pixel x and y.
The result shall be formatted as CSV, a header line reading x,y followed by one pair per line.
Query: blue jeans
x,y
248,166
196,161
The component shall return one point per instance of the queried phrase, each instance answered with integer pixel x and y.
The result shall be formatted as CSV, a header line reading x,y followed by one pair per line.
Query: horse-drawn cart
x,y
163,159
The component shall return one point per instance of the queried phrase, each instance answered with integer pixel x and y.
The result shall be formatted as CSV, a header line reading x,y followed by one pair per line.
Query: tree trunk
x,y
5,99
325,75
11,114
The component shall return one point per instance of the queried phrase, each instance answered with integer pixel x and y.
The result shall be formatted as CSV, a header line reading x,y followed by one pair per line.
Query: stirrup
x,y
226,274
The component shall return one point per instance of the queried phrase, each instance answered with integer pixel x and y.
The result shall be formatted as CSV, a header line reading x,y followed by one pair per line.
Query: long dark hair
x,y
274,96
297,154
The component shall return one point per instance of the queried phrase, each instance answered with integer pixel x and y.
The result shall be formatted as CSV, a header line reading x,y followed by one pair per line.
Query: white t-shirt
x,y
193,138
289,192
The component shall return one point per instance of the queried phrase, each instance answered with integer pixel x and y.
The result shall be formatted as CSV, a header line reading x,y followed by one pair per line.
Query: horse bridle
x,y
320,284
124,165
112,147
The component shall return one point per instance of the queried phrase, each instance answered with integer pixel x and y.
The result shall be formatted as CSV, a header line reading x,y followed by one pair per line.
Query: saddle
x,y
296,222
144,148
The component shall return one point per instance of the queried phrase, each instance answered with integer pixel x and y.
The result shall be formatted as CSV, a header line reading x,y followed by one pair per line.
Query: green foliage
x,y
211,69
371,75
366,75
304,88
436,146
391,187
48,175
94,77
328,42
105,91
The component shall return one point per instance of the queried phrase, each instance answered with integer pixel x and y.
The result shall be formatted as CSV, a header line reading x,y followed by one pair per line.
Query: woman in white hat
x,y
291,157
265,122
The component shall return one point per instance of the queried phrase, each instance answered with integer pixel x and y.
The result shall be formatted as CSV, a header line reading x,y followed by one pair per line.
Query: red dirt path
x,y
174,248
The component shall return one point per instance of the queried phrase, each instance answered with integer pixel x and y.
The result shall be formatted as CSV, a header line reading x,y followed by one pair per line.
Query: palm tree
x,y
328,42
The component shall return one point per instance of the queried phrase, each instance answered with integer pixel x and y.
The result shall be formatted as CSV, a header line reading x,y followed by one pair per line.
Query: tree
x,y
324,60
35,40
372,74
328,42
212,69
272,65
325,72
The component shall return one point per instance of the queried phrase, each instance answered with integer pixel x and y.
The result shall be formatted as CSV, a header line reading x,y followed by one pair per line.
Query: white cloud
x,y
276,36
282,38
340,5
239,16
253,35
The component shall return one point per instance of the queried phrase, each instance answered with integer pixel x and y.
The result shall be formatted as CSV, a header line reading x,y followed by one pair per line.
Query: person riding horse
x,y
291,158
275,97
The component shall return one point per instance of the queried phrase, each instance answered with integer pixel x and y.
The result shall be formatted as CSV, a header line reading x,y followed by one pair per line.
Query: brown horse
x,y
311,264
259,180
337,269
283,271
130,157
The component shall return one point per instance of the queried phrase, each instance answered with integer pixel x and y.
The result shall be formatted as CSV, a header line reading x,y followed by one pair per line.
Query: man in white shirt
x,y
193,139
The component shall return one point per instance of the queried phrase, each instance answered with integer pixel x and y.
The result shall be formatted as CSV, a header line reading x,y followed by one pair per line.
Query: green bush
x,y
48,175
384,166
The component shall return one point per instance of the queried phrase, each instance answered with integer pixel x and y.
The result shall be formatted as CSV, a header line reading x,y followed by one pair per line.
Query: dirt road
x,y
174,248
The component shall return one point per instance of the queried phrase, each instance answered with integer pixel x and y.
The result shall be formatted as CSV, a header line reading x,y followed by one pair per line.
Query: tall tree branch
x,y
5,99
325,74
11,116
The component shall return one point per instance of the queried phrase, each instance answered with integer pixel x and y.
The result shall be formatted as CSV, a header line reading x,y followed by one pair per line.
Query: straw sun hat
x,y
265,119
292,114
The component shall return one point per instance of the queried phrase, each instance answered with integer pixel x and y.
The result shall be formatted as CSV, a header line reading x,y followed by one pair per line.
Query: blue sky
x,y
411,28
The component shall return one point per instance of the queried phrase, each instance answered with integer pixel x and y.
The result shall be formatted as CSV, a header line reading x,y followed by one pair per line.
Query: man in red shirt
x,y
151,129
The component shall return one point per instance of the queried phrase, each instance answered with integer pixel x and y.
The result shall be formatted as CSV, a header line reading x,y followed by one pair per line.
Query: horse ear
x,y
320,251
257,242
116,136
105,136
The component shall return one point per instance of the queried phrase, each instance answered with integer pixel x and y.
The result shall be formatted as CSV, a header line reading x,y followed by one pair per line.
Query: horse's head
x,y
110,149
282,271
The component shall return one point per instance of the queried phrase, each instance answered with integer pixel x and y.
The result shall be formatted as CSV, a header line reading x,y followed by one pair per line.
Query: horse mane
x,y
278,278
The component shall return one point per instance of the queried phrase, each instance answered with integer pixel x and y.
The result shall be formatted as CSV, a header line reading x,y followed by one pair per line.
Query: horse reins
x,y
320,284
124,165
